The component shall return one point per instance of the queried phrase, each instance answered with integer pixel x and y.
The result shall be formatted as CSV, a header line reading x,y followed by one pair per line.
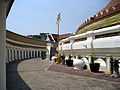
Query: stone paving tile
x,y
33,75
70,70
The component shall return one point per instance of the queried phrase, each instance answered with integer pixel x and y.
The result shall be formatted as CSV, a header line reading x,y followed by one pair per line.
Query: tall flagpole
x,y
58,32
58,25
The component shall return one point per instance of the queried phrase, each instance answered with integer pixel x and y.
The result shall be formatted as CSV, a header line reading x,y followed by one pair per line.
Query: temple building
x,y
97,40
109,16
98,37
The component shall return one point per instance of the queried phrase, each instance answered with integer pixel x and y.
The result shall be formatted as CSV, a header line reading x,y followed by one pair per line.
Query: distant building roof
x,y
54,37
63,36
50,37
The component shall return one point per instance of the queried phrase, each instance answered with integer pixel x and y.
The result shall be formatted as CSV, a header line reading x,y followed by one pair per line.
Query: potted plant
x,y
94,67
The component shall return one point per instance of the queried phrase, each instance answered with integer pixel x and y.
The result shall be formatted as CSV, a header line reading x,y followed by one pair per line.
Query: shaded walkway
x,y
33,75
14,80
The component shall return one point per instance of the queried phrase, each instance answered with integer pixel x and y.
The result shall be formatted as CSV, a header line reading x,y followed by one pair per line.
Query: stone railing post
x,y
108,71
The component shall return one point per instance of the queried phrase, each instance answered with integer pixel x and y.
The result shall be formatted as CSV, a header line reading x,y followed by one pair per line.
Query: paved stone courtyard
x,y
33,75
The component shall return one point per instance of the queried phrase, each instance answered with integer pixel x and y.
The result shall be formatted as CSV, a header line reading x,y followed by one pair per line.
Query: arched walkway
x,y
102,64
86,62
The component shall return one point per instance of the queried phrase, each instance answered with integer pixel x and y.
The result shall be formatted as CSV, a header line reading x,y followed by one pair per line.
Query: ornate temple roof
x,y
106,16
112,3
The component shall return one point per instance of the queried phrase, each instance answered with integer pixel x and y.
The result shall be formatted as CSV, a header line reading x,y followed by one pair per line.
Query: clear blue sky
x,y
35,16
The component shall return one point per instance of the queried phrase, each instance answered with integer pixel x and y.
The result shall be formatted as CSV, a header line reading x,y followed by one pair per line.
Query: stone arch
x,y
102,64
66,57
86,62
119,64
78,63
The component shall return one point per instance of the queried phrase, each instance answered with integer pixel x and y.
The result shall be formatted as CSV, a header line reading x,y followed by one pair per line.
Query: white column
x,y
12,54
47,55
89,59
40,54
31,54
19,54
2,45
25,54
108,65
28,54
22,53
49,49
34,53
37,53
88,64
16,54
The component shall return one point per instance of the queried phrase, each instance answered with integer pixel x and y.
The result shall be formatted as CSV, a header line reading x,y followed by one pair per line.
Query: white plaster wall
x,y
79,45
66,46
108,42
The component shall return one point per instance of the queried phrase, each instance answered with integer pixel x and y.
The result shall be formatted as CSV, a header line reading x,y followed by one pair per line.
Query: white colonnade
x,y
15,53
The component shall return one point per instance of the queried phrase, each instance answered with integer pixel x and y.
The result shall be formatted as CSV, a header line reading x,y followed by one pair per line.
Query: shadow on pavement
x,y
13,79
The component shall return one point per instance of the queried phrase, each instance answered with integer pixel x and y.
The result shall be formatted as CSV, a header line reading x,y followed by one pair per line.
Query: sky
x,y
30,17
